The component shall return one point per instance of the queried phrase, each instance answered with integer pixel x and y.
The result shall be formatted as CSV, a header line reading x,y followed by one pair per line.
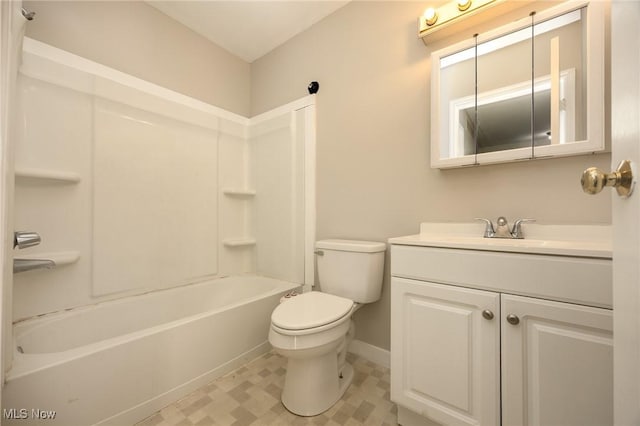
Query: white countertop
x,y
560,240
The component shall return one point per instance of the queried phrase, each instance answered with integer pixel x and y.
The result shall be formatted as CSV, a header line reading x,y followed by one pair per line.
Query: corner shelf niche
x,y
239,242
27,173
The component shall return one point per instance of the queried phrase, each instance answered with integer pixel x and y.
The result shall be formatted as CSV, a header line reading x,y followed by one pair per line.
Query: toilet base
x,y
309,390
345,380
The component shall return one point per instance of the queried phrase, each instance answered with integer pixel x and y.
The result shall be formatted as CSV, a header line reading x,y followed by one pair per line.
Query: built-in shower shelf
x,y
238,192
239,242
59,257
47,174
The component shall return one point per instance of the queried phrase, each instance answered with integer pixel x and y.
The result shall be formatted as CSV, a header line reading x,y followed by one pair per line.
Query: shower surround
x,y
142,195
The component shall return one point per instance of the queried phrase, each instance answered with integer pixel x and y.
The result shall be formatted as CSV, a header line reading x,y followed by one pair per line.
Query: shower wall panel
x,y
154,200
119,177
54,135
236,200
277,166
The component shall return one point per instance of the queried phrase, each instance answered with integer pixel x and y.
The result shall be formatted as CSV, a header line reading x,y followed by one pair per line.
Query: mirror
x,y
504,93
527,90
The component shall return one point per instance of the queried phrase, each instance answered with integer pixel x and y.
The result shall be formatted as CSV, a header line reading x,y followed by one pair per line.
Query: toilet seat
x,y
310,312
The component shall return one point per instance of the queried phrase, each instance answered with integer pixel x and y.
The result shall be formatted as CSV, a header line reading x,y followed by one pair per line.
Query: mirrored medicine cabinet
x,y
530,89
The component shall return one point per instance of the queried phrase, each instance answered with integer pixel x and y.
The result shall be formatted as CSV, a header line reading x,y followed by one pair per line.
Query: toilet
x,y
313,330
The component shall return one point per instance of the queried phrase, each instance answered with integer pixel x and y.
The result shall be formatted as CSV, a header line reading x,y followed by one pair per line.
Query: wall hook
x,y
314,86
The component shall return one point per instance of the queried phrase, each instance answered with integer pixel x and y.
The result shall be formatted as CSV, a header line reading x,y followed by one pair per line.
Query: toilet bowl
x,y
313,330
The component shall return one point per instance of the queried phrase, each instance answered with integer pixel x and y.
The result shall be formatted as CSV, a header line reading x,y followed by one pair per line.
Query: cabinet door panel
x,y
444,354
557,364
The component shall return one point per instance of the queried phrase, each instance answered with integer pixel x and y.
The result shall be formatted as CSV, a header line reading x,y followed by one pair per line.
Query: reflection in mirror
x,y
559,64
505,116
457,80
494,135
504,98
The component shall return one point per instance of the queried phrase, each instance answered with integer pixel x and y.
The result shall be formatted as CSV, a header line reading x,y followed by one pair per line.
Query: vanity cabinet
x,y
477,340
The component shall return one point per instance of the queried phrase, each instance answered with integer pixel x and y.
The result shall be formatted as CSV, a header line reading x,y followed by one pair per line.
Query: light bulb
x,y
430,16
464,5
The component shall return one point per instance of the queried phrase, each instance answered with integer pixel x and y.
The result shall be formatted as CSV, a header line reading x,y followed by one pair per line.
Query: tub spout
x,y
24,239
23,265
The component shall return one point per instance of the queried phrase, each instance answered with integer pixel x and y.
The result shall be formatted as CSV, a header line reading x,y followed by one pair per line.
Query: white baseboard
x,y
372,353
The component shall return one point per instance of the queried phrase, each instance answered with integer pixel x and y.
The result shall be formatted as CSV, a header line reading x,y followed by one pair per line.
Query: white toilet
x,y
314,329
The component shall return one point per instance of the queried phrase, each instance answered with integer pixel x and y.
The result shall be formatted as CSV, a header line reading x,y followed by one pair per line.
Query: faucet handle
x,y
516,231
489,231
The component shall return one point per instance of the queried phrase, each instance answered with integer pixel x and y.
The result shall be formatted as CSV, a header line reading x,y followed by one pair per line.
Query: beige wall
x,y
137,39
374,178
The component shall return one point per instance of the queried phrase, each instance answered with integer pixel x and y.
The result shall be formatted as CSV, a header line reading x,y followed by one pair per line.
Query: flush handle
x,y
594,179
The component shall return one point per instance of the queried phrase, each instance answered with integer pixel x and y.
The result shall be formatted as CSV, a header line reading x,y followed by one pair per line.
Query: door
x,y
625,131
557,363
457,384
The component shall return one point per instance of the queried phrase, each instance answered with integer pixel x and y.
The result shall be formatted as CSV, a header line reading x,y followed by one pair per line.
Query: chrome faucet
x,y
25,239
502,229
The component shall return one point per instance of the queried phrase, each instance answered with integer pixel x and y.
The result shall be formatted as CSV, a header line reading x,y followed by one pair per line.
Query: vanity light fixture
x,y
451,11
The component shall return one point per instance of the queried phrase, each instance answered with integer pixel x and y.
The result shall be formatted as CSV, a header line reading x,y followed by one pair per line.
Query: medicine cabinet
x,y
533,88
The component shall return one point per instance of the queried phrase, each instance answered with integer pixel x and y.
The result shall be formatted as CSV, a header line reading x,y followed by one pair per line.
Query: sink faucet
x,y
502,230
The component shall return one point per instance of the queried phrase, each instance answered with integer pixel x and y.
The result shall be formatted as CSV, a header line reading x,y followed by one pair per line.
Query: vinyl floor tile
x,y
250,395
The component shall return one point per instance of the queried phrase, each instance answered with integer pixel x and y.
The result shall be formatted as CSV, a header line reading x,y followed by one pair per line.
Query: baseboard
x,y
372,353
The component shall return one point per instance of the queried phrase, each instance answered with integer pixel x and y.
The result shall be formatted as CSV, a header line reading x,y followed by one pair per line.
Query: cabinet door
x,y
444,353
557,363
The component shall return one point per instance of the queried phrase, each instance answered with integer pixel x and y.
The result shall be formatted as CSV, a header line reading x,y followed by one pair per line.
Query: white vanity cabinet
x,y
482,337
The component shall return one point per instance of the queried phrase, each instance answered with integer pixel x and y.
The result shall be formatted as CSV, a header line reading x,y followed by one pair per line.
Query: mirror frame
x,y
595,83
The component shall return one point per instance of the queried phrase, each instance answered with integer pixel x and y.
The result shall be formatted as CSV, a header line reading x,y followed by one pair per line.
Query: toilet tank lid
x,y
351,245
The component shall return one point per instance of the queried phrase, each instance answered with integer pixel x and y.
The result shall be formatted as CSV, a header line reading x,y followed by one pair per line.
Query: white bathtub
x,y
117,362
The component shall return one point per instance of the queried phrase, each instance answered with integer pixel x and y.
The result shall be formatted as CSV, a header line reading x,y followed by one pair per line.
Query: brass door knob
x,y
594,179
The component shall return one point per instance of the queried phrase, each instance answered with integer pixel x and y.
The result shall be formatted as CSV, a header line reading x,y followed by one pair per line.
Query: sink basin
x,y
562,240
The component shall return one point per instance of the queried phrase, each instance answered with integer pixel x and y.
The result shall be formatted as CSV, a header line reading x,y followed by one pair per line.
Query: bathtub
x,y
114,363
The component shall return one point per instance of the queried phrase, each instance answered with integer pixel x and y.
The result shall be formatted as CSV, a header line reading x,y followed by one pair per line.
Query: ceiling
x,y
248,29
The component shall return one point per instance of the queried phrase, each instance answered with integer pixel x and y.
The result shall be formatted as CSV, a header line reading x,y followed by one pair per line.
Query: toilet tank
x,y
351,269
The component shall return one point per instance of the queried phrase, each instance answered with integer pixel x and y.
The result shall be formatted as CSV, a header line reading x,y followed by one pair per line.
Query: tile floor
x,y
250,395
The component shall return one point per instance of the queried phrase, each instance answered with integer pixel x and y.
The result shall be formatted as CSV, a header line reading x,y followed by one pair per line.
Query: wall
x,y
137,39
373,175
